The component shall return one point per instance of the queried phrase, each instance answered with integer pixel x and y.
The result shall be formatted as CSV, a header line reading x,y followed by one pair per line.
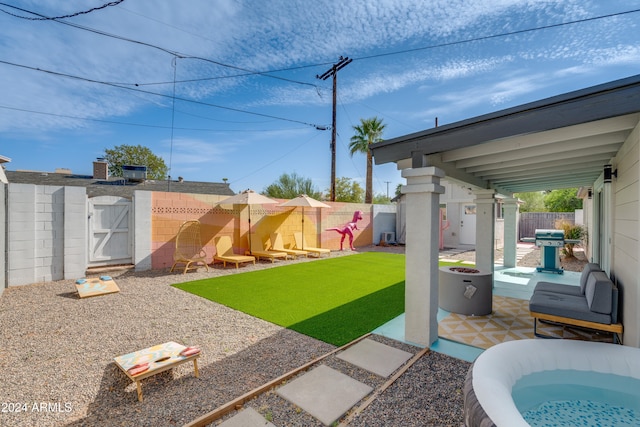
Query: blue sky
x,y
247,100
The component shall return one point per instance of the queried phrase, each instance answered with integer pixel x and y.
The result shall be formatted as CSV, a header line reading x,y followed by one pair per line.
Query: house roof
x,y
116,186
558,142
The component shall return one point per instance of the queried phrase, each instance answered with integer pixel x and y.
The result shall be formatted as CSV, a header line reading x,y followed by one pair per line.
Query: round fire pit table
x,y
465,290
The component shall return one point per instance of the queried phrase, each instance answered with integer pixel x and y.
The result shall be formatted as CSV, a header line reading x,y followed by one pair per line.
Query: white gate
x,y
110,240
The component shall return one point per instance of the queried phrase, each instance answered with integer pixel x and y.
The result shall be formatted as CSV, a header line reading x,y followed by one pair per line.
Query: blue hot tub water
x,y
578,398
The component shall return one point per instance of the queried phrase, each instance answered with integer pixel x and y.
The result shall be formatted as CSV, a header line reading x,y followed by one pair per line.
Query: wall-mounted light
x,y
609,172
590,194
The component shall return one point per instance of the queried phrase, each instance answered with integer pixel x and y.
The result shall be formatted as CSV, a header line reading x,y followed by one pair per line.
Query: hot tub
x,y
488,388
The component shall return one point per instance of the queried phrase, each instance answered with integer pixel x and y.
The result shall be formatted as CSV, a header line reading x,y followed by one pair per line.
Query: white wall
x,y
46,233
384,219
142,230
3,241
454,196
35,233
625,265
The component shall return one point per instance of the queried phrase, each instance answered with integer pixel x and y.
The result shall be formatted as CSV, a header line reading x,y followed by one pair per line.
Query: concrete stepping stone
x,y
324,393
248,417
375,357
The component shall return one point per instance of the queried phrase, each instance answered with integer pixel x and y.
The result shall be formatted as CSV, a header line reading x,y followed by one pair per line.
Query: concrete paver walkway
x,y
375,357
325,393
248,417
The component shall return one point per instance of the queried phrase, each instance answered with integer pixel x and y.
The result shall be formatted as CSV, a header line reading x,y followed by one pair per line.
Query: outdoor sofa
x,y
592,305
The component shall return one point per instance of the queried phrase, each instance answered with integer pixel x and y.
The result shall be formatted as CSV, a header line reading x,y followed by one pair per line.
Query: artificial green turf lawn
x,y
335,300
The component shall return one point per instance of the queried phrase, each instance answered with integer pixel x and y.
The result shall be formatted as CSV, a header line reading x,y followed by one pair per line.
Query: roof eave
x,y
595,103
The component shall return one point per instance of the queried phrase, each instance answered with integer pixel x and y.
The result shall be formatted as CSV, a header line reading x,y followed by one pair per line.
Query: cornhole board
x,y
160,358
95,287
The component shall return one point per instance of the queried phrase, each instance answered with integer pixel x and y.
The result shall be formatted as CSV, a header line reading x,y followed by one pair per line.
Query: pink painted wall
x,y
170,210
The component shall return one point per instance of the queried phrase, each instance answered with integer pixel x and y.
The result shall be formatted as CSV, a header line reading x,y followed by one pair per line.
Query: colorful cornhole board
x,y
145,363
96,286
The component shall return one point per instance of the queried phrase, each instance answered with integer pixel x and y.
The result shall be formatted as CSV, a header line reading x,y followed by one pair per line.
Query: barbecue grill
x,y
550,242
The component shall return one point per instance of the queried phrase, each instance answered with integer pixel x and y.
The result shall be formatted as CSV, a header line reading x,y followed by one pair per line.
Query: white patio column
x,y
485,229
510,207
422,192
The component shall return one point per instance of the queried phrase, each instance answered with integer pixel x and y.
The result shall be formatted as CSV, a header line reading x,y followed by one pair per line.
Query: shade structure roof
x,y
558,142
304,201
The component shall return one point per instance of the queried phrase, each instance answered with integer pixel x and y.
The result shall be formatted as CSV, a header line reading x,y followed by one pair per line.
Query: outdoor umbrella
x,y
248,198
305,202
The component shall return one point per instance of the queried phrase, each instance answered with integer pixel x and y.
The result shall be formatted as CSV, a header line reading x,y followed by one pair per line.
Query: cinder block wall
x,y
36,233
3,231
47,228
170,210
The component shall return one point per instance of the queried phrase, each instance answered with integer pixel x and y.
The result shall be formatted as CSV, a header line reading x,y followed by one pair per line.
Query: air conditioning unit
x,y
134,173
388,238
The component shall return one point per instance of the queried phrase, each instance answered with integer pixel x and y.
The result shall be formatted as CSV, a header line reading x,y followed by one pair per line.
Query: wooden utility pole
x,y
333,71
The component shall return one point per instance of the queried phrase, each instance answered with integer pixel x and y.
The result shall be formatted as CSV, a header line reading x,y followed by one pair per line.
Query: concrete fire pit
x,y
465,291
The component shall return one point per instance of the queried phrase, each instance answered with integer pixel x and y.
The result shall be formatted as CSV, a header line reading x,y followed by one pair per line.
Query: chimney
x,y
100,169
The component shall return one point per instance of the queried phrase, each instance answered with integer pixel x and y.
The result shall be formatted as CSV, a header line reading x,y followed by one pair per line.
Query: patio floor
x,y
517,282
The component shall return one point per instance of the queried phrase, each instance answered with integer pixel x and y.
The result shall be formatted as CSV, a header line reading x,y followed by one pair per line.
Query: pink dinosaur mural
x,y
348,229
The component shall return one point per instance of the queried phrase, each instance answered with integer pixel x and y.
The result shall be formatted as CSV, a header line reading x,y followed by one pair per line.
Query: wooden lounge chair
x,y
224,253
277,245
189,249
302,245
259,251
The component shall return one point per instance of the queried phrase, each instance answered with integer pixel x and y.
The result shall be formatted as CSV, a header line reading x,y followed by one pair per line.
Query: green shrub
x,y
571,232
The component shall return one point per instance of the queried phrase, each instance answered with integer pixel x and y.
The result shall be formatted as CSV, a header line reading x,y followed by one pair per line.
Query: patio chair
x,y
224,253
302,245
259,251
277,245
189,250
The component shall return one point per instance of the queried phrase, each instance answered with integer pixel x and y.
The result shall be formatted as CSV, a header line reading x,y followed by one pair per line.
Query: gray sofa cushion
x,y
572,306
569,289
590,267
559,288
599,292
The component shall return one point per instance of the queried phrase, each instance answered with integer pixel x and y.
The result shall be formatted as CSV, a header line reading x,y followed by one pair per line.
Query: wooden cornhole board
x,y
160,358
95,287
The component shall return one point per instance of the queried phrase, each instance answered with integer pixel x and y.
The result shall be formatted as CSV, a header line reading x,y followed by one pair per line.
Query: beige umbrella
x,y
305,202
248,198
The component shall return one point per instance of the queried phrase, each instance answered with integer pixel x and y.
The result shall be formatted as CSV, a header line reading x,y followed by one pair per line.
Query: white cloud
x,y
267,35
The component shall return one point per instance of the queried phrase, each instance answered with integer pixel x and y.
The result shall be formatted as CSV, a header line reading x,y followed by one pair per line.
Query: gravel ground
x,y
56,358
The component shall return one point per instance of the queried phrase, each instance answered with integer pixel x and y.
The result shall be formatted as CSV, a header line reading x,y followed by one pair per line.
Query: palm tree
x,y
368,132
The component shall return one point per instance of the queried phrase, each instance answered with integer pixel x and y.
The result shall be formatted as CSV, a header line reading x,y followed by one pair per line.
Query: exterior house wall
x,y
454,197
499,233
625,266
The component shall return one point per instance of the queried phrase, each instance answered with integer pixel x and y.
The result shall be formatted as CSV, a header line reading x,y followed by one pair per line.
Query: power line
x,y
399,52
318,127
493,36
173,53
53,18
115,122
247,72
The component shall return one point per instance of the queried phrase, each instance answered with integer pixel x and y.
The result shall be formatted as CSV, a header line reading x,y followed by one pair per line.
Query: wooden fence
x,y
530,221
